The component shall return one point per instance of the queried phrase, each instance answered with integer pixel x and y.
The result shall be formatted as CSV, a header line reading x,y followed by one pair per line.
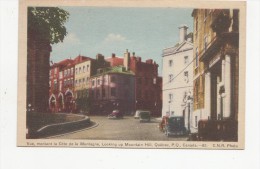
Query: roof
x,y
115,61
114,70
176,48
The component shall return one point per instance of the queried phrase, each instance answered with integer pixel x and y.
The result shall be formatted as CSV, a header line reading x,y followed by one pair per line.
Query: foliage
x,y
48,23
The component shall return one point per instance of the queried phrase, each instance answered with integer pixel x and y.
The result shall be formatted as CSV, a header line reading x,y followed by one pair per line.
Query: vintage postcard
x,y
132,74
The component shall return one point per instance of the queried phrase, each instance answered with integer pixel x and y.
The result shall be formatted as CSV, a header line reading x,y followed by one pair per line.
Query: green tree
x,y
48,23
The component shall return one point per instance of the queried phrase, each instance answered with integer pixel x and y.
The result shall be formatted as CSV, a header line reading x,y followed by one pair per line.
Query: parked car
x,y
174,125
145,116
116,114
137,113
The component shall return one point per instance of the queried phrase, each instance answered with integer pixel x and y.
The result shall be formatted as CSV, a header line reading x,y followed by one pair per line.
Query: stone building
x,y
178,79
216,69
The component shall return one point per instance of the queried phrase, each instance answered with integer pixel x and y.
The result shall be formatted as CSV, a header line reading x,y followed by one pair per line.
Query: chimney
x,y
126,59
149,61
183,33
113,55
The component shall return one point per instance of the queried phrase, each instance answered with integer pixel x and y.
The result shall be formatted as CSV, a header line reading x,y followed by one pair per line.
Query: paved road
x,y
127,128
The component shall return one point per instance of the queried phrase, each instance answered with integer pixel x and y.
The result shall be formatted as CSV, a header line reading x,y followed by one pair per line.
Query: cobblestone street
x,y
127,128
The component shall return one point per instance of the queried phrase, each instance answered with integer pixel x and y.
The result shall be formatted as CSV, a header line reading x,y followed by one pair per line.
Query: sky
x,y
106,30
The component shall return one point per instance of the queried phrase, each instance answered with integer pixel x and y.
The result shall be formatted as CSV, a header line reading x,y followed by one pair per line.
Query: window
x,y
170,78
80,70
93,82
87,79
65,73
76,71
87,68
170,97
79,81
68,72
84,69
154,80
197,58
60,75
98,94
186,76
205,42
196,121
71,71
103,93
98,82
170,63
113,79
113,91
83,80
186,60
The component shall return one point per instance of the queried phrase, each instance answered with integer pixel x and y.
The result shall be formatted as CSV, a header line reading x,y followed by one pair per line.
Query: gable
x,y
184,46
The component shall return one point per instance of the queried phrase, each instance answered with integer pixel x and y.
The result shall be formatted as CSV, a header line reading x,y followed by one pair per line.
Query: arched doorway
x,y
52,103
60,102
69,103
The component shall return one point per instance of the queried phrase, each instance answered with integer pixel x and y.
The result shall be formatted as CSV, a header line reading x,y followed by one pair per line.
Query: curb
x,y
61,128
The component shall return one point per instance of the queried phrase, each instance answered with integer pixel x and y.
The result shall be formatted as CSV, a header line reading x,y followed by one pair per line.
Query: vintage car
x,y
173,125
145,116
116,114
137,113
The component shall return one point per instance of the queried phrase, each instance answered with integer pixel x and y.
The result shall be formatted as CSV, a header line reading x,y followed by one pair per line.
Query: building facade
x,y
112,88
178,79
38,58
216,66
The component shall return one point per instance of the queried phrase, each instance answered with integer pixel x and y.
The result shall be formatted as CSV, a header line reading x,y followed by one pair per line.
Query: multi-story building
x,y
148,85
216,67
112,88
56,97
178,79
61,82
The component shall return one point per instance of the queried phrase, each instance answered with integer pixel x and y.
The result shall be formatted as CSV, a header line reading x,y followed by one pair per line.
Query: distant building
x,y
216,68
148,85
178,78
112,88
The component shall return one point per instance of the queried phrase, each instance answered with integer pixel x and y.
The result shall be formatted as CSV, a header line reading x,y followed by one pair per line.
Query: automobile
x,y
145,116
174,126
137,113
116,114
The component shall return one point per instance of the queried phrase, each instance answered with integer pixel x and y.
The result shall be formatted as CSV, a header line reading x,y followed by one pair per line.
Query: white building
x,y
178,78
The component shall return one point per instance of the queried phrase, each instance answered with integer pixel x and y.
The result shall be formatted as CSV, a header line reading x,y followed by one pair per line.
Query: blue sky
x,y
145,31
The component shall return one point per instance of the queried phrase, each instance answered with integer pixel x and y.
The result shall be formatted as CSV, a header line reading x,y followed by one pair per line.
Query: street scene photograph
x,y
133,73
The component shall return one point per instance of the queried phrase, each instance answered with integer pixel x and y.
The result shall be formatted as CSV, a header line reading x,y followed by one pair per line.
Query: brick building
x,y
216,69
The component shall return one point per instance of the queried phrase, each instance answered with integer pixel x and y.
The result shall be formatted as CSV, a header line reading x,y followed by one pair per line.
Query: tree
x,y
48,23
45,27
